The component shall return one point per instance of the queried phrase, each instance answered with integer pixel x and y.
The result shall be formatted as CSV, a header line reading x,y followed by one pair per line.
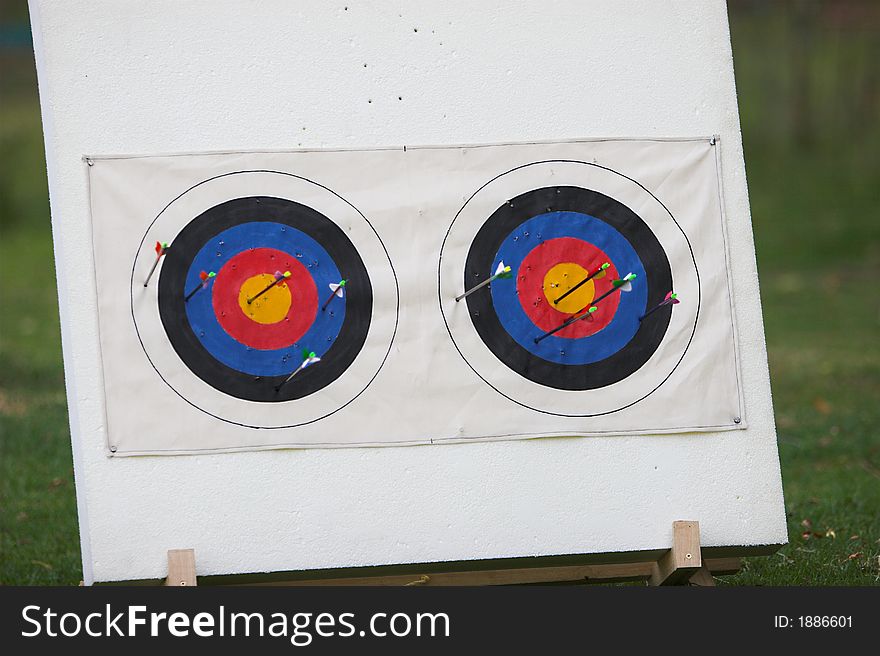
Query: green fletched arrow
x,y
587,314
598,273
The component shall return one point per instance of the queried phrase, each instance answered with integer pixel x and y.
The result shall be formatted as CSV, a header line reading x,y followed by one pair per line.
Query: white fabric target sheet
x,y
401,361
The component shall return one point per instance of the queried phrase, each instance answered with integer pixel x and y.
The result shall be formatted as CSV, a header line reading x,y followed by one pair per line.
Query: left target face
x,y
278,247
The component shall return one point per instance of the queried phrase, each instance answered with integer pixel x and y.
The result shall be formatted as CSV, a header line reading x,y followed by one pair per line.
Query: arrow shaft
x,y
653,310
578,286
565,324
476,287
290,377
193,292
607,294
295,372
327,302
266,289
152,269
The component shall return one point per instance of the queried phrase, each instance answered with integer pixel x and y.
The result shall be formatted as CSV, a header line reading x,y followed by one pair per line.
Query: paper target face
x,y
554,223
278,247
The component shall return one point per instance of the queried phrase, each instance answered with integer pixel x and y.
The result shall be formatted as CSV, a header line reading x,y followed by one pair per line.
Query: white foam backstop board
x,y
160,76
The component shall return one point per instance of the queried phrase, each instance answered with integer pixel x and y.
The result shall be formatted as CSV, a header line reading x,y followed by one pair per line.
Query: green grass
x,y
814,182
822,318
39,542
816,211
38,530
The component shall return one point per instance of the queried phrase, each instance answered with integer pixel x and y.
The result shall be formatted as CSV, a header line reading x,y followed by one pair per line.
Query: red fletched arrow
x,y
161,248
206,278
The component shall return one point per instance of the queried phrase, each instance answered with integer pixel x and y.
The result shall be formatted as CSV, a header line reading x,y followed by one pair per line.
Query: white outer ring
x,y
255,414
486,365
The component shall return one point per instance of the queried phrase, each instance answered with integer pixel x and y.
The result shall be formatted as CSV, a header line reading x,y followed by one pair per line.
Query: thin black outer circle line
x,y
599,166
317,184
316,213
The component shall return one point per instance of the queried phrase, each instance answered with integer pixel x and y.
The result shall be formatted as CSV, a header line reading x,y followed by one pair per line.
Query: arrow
x,y
501,273
309,358
623,285
161,248
278,278
671,299
598,273
336,289
206,278
587,314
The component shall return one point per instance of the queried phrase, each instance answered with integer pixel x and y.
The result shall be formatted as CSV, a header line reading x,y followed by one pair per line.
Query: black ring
x,y
610,370
172,310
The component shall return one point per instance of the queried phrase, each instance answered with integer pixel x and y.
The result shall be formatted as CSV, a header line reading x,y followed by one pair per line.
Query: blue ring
x,y
562,350
214,255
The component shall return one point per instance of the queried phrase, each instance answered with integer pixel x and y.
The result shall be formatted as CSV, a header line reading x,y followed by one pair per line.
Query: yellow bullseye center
x,y
272,306
560,279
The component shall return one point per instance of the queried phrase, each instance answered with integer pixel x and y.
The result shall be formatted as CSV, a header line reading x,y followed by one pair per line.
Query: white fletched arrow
x,y
337,290
502,272
627,282
309,358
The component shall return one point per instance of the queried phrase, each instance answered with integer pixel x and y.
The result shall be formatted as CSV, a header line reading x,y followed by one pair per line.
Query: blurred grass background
x,y
808,75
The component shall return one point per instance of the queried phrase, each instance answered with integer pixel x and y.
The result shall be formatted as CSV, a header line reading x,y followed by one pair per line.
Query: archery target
x,y
275,242
553,223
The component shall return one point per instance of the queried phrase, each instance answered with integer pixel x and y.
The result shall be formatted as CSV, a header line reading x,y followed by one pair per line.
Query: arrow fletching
x,y
626,283
309,359
502,271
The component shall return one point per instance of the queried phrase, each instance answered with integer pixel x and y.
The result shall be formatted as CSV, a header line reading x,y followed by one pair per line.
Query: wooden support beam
x,y
181,567
722,566
611,573
674,566
606,573
683,560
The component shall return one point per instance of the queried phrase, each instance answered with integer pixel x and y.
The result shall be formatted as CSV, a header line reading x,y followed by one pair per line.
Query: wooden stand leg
x,y
181,567
681,562
702,577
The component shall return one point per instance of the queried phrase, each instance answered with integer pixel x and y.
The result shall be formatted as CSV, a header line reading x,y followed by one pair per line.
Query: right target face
x,y
581,324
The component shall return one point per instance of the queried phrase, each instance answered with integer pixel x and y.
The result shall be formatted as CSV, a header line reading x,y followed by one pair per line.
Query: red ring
x,y
264,336
530,285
